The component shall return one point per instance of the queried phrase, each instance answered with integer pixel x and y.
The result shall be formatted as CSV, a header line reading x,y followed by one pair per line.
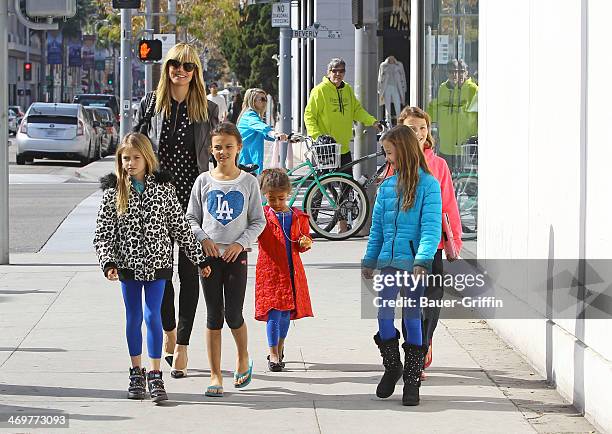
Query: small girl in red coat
x,y
281,290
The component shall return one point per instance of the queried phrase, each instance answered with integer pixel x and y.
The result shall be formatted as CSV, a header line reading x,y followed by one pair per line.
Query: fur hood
x,y
110,180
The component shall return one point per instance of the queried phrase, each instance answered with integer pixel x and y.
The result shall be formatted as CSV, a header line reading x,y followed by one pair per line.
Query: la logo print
x,y
225,207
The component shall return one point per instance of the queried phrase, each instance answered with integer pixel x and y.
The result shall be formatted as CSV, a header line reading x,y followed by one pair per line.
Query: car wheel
x,y
86,159
20,159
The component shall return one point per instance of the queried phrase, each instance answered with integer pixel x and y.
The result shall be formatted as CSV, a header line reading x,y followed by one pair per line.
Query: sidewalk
x,y
63,350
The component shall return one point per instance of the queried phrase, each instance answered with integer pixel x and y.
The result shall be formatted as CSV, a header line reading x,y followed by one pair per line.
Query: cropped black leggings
x,y
188,300
227,281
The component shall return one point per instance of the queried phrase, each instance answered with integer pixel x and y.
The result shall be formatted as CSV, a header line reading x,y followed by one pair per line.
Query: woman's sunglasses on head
x,y
187,66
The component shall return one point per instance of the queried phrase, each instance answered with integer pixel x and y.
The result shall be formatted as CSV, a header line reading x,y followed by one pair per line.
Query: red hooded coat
x,y
273,289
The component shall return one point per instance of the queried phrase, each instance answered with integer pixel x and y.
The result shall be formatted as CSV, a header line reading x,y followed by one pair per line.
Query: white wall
x,y
545,150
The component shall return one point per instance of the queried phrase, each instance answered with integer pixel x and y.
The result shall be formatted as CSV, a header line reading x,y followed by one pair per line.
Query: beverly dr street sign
x,y
316,31
281,14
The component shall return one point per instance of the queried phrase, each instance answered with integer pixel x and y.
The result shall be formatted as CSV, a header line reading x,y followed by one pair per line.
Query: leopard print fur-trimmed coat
x,y
138,242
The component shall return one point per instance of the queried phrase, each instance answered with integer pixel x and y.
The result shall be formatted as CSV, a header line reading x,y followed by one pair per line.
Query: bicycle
x,y
331,196
465,182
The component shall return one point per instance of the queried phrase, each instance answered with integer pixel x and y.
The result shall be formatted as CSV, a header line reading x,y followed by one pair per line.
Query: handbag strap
x,y
145,122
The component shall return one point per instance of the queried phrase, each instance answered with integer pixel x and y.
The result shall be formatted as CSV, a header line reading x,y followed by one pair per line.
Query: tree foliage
x,y
249,48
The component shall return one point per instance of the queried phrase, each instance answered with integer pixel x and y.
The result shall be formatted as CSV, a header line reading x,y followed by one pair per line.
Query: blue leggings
x,y
277,326
132,297
411,315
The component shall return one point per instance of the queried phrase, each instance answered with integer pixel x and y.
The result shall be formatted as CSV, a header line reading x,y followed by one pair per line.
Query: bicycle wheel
x,y
351,206
466,192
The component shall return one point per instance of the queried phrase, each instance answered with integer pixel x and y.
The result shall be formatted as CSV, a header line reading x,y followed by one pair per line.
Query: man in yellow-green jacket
x,y
333,107
455,110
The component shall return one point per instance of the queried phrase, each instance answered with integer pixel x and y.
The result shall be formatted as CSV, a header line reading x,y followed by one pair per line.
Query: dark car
x,y
99,100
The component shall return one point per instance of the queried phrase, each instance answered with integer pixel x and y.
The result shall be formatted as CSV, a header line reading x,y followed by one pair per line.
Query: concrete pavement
x,y
63,350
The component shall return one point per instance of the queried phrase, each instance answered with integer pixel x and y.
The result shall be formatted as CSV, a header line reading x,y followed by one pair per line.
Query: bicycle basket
x,y
469,156
325,156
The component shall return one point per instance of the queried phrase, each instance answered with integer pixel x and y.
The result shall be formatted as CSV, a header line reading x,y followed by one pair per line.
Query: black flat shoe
x,y
273,366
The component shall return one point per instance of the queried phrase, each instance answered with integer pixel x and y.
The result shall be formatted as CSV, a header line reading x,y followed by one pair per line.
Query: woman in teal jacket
x,y
404,237
253,129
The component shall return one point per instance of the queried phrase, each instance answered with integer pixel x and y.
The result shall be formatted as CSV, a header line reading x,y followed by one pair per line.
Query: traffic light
x,y
110,78
27,71
150,50
126,4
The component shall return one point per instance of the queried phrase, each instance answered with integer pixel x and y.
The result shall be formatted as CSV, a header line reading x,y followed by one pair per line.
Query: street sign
x,y
281,14
168,41
316,31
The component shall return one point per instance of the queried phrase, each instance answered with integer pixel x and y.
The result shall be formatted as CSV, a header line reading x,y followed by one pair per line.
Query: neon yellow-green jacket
x,y
332,110
456,114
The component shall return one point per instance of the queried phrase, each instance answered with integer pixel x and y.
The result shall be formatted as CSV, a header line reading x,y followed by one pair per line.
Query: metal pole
x,y
361,81
284,88
125,84
4,164
148,66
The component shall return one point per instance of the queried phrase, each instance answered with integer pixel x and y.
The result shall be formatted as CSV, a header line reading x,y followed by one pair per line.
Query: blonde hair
x,y
140,143
409,158
249,101
197,104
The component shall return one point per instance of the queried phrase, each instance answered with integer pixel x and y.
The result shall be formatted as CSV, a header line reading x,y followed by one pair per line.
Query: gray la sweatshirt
x,y
226,211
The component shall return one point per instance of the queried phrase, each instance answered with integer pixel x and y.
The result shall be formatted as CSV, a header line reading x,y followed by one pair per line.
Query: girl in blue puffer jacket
x,y
404,237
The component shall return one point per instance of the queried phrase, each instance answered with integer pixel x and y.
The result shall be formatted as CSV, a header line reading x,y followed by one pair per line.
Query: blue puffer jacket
x,y
403,239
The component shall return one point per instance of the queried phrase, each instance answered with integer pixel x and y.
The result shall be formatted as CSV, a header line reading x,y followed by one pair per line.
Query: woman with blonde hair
x,y
178,119
137,250
253,129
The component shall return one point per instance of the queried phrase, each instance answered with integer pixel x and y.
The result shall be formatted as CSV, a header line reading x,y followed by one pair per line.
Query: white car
x,y
56,131
12,122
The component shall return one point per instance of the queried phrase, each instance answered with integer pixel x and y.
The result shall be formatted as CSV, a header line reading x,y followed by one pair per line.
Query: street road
x,y
41,195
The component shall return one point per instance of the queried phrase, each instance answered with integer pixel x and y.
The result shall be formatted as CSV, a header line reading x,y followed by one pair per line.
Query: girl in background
x,y
420,123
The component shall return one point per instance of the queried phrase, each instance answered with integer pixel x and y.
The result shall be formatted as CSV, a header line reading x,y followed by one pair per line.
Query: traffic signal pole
x,y
148,66
125,82
4,178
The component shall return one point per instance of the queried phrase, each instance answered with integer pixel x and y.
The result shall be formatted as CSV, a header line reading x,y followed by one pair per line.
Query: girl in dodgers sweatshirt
x,y
226,216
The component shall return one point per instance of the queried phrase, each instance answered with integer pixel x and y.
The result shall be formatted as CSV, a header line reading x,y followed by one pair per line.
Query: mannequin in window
x,y
391,86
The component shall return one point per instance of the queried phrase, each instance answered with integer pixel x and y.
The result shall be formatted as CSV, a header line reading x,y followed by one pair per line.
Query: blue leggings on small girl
x,y
411,315
277,326
132,298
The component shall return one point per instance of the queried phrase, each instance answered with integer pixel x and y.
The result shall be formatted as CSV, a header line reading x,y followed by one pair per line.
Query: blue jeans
x,y
411,315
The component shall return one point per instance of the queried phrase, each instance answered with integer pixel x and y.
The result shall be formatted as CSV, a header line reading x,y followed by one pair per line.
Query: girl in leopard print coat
x,y
139,216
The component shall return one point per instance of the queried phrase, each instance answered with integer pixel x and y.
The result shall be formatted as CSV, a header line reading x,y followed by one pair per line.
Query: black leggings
x,y
227,280
431,315
188,300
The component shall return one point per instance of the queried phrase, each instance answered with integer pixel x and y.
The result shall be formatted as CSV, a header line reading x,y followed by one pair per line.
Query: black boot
x,y
156,386
138,386
415,355
389,350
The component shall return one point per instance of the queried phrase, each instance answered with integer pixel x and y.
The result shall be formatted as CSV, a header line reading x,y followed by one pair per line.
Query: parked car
x,y
56,131
100,100
12,122
103,139
19,111
111,125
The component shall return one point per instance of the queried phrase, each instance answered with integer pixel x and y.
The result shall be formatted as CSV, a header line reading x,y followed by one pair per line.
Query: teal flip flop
x,y
214,391
248,374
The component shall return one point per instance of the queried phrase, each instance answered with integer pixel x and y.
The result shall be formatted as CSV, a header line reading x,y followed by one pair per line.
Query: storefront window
x,y
450,96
